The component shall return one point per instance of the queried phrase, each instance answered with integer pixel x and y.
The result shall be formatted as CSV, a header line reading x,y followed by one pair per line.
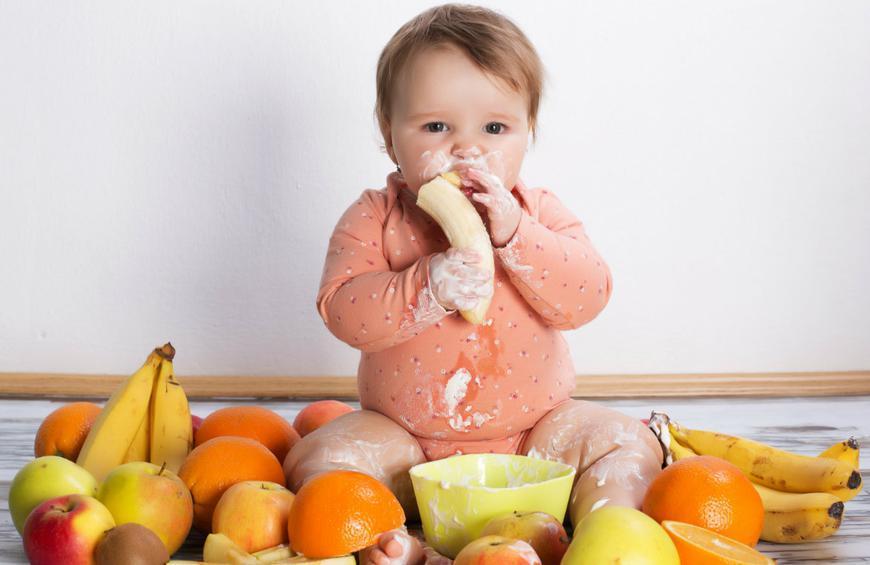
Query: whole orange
x,y
63,432
216,465
339,512
319,413
709,492
255,422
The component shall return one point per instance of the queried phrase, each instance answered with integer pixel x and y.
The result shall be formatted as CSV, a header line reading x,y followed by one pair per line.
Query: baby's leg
x,y
364,441
615,455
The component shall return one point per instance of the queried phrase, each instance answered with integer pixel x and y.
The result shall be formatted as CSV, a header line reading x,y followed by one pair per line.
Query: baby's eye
x,y
436,127
495,127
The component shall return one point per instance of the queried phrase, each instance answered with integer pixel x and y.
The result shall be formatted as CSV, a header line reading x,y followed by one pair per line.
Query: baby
x,y
458,89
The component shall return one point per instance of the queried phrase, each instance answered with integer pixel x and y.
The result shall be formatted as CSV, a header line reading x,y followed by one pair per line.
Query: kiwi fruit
x,y
130,544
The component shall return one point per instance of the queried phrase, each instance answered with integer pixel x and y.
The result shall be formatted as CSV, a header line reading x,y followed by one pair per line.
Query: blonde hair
x,y
491,40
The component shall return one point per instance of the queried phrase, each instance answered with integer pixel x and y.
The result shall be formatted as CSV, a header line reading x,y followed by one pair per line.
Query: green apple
x,y
152,496
614,534
46,477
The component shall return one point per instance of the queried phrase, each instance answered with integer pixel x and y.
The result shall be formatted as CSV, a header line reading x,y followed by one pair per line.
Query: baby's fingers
x,y
463,255
469,273
484,199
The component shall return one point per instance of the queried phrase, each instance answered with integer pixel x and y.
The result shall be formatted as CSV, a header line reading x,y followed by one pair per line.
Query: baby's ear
x,y
388,143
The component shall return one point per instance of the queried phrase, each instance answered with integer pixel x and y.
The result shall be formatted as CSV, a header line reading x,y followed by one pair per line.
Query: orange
x,y
319,413
216,465
63,432
702,546
255,422
709,492
339,512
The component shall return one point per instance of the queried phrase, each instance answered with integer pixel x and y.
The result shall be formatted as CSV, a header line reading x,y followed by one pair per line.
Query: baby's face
x,y
448,114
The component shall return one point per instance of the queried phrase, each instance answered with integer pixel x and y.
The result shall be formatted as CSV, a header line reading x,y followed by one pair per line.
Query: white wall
x,y
173,170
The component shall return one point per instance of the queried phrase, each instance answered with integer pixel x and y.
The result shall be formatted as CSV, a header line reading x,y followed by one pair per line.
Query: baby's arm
x,y
552,263
362,301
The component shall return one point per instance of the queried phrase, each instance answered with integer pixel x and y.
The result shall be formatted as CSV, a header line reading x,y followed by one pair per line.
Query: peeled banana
x,y
113,432
171,431
773,467
461,223
795,517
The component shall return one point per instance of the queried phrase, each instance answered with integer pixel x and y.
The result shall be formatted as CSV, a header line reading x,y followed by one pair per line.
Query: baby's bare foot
x,y
396,547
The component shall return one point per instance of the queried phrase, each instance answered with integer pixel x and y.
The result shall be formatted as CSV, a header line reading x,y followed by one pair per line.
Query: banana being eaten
x,y
442,199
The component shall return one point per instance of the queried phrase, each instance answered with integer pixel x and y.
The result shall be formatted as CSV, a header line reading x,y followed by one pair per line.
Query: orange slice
x,y
701,546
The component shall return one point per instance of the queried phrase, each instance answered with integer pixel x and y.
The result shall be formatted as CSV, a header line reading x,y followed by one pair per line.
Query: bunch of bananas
x,y
147,418
802,496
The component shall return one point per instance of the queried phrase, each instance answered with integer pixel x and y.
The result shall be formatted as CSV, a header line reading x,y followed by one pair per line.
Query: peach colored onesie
x,y
460,388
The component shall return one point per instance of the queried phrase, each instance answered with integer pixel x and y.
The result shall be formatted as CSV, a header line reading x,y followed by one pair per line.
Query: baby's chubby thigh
x,y
362,440
615,455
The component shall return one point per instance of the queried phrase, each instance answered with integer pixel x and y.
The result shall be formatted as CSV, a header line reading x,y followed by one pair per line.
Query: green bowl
x,y
457,496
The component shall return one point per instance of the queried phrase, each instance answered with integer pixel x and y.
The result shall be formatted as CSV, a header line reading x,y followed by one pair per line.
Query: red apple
x,y
195,423
497,550
542,531
65,530
317,414
253,514
152,496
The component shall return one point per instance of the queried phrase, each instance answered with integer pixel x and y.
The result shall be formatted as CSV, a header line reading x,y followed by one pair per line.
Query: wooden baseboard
x,y
842,383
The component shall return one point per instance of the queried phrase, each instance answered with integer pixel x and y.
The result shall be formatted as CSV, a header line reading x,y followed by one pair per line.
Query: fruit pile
x,y
125,483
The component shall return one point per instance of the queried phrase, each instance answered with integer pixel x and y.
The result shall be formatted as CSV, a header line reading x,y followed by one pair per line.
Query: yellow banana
x,y
849,453
171,432
795,517
773,467
680,451
112,433
461,223
140,446
845,451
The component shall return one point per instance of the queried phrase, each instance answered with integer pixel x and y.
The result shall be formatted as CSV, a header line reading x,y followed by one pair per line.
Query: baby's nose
x,y
466,151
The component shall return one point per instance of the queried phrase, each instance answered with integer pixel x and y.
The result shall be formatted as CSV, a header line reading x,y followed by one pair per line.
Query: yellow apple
x,y
614,534
253,514
152,496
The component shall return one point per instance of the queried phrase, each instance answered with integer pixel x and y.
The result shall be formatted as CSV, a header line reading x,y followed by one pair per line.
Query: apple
x,y
152,496
46,477
616,534
253,514
544,532
65,530
195,423
317,414
497,550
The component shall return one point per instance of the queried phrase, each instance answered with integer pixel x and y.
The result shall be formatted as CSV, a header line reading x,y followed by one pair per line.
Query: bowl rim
x,y
415,471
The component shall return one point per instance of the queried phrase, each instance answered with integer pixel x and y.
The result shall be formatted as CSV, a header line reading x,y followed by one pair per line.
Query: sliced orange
x,y
701,546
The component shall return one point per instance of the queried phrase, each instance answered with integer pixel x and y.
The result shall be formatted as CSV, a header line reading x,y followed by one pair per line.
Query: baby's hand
x,y
456,280
502,209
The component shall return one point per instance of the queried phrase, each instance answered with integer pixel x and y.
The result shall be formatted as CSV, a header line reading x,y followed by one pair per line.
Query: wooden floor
x,y
804,425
